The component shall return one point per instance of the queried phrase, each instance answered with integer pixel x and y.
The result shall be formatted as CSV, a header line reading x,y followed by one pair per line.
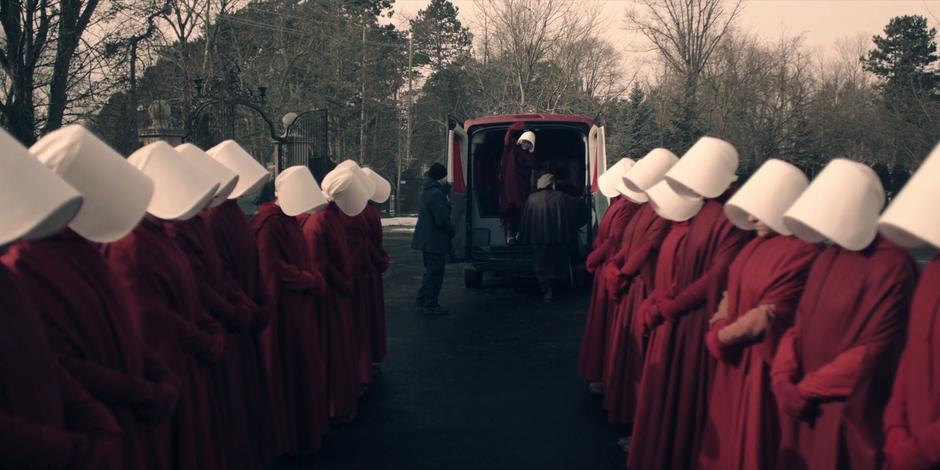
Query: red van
x,y
474,155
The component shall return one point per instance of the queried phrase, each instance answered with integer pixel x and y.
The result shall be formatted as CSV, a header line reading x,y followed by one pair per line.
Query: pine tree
x,y
640,128
439,38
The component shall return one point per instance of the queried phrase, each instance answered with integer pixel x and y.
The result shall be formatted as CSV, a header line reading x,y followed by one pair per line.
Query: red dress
x,y
47,419
842,354
673,392
912,418
743,430
515,178
292,347
89,328
379,264
606,244
238,253
217,298
162,297
359,325
633,267
328,242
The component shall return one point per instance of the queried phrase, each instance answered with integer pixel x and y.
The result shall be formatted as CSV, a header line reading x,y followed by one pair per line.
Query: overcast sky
x,y
822,22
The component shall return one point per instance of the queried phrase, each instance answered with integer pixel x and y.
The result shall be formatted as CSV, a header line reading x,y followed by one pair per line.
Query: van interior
x,y
561,150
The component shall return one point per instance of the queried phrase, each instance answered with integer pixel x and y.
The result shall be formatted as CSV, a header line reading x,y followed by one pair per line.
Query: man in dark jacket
x,y
432,237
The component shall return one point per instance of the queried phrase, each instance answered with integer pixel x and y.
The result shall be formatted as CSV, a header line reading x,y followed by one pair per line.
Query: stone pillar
x,y
160,126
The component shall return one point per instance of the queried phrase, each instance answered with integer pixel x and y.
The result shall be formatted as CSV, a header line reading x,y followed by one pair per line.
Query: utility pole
x,y
408,117
362,108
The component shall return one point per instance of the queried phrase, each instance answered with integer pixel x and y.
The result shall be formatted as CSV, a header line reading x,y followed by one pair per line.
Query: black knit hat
x,y
437,171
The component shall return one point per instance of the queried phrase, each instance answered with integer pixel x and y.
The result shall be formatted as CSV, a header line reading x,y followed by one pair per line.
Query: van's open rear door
x,y
597,165
457,149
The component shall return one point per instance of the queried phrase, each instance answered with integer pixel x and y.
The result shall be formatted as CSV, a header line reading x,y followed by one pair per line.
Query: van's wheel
x,y
473,278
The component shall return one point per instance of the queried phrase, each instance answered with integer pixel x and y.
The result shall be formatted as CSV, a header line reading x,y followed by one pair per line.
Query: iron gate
x,y
306,142
217,120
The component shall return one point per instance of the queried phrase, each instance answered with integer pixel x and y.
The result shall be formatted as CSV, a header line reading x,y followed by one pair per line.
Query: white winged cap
x,y
345,188
671,205
609,181
648,171
251,174
297,191
773,188
226,178
36,203
706,170
842,204
181,189
912,219
116,194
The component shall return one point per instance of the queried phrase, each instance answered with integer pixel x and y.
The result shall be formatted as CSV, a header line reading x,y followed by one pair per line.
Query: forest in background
x,y
102,62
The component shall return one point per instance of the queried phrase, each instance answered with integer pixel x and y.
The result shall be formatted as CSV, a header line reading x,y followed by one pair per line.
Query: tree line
x,y
390,91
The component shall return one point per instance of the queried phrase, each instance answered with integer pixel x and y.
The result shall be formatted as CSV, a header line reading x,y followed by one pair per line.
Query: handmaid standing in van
x,y
516,178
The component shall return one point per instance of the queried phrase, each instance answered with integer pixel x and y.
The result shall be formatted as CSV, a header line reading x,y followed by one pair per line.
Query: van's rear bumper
x,y
517,258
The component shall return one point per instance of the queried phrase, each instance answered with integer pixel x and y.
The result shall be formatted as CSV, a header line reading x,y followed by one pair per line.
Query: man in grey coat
x,y
432,237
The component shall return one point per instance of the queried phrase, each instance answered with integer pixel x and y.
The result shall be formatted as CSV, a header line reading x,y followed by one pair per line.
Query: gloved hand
x,y
615,280
101,451
651,315
903,453
668,309
790,400
161,403
594,261
718,350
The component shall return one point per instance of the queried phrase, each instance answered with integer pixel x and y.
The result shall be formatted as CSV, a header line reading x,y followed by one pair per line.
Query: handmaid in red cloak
x,y
238,252
912,417
380,264
630,277
606,244
47,420
764,285
84,313
516,176
221,300
676,379
162,296
833,370
349,327
292,345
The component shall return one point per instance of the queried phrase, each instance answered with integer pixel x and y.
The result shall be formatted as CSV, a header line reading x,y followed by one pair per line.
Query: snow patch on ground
x,y
400,222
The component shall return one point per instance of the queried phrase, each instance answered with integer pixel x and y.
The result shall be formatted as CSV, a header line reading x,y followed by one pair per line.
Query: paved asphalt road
x,y
493,385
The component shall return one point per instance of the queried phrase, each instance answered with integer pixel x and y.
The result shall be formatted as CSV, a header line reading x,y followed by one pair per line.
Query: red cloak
x,y
606,243
379,265
842,354
238,253
89,328
218,299
742,431
633,267
359,239
912,418
515,178
161,293
329,244
47,420
673,392
292,346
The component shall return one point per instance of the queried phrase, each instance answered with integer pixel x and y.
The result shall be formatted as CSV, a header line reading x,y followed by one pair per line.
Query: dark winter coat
x,y
434,229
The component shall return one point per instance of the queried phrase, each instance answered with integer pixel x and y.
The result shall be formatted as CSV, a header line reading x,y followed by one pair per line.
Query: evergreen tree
x,y
640,129
439,38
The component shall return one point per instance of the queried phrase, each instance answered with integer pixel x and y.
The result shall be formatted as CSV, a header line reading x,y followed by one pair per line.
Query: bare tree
x,y
684,32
